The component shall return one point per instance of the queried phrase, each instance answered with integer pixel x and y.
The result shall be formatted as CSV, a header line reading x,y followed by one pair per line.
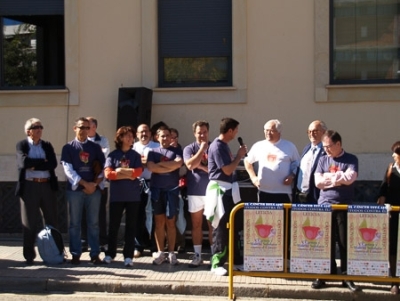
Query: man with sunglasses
x,y
105,147
83,162
37,183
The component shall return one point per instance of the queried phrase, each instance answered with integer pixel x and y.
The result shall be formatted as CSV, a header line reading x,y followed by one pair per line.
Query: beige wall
x,y
112,44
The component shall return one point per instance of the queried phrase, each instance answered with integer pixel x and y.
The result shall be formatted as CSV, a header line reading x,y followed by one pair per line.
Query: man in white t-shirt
x,y
278,160
143,146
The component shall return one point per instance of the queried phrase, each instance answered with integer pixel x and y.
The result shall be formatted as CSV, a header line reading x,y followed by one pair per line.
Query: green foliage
x,y
195,70
19,58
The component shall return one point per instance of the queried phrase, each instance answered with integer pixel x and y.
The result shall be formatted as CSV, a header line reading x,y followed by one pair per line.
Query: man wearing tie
x,y
304,187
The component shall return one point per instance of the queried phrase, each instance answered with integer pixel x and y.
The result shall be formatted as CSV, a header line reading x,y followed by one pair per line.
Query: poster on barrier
x,y
367,240
263,237
310,239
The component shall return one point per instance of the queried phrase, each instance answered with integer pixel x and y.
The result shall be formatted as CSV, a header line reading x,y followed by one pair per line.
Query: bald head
x,y
315,131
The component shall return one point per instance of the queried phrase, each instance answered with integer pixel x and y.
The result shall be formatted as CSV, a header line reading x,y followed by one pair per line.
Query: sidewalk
x,y
164,279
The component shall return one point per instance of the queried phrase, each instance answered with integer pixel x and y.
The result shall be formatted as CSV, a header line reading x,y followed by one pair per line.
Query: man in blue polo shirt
x,y
80,157
221,170
164,163
335,176
195,156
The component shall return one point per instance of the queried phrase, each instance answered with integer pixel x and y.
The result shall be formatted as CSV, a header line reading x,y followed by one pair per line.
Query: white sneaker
x,y
172,259
137,254
196,261
219,271
107,259
128,262
160,258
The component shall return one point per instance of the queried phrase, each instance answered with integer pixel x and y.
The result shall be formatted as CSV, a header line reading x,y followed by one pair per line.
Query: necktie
x,y
305,170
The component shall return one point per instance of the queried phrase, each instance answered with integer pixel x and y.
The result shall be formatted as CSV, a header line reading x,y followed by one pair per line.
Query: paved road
x,y
146,278
117,297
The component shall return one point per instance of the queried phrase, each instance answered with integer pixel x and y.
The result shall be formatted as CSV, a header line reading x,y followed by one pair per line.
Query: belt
x,y
38,180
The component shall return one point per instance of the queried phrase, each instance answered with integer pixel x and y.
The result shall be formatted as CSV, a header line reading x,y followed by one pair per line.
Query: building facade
x,y
283,59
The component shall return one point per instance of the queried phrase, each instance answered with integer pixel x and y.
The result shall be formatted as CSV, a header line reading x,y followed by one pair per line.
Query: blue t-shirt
x,y
167,180
124,190
81,157
343,194
219,155
197,179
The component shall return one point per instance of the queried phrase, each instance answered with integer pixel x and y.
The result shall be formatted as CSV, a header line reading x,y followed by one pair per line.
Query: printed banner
x,y
263,237
367,241
310,239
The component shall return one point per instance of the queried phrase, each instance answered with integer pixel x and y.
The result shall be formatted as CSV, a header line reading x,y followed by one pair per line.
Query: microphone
x,y
240,140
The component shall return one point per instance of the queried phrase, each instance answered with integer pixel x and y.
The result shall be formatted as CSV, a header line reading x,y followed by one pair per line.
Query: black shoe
x,y
29,262
351,286
96,260
76,259
317,284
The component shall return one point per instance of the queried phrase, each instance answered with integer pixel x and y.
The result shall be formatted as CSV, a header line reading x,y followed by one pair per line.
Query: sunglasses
x,y
36,127
84,128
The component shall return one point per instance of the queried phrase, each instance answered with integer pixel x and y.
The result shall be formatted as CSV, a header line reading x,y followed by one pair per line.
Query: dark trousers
x,y
36,197
221,233
339,234
103,239
142,238
279,198
266,197
131,215
304,198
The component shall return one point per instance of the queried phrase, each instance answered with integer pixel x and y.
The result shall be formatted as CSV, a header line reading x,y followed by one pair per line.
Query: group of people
x,y
146,174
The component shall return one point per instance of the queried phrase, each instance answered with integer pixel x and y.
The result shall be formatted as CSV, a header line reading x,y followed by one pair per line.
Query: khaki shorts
x,y
196,203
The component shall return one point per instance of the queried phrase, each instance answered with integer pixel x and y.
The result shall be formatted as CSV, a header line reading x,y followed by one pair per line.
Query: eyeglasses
x,y
328,146
36,127
270,131
313,131
83,128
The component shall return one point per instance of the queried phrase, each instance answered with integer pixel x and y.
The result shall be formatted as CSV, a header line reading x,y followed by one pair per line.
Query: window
x,y
364,44
32,44
195,43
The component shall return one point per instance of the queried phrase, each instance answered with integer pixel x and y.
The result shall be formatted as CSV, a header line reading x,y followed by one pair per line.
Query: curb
x,y
42,285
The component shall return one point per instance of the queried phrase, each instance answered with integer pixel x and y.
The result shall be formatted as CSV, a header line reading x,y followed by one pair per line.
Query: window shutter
x,y
195,28
31,7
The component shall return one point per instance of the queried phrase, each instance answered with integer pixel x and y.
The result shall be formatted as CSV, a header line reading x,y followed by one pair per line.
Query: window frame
x,y
69,96
237,93
324,92
182,50
32,11
333,81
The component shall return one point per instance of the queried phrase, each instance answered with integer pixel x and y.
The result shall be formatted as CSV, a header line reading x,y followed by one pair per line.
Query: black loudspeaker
x,y
134,106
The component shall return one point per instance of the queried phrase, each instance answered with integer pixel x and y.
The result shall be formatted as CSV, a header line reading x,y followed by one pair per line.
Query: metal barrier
x,y
285,273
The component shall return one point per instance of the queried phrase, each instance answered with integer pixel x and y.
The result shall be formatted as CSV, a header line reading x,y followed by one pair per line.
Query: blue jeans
x,y
77,200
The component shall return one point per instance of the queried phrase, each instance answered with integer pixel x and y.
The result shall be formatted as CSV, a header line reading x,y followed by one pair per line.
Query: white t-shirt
x,y
275,163
143,150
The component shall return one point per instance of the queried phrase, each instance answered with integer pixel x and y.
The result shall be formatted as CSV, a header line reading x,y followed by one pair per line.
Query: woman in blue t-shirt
x,y
123,167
